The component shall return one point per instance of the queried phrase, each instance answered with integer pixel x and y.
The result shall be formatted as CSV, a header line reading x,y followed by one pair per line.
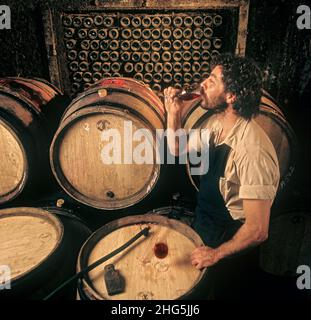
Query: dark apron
x,y
234,276
213,221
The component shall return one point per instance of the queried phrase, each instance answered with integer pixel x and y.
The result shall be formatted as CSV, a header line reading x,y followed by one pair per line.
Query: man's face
x,y
213,91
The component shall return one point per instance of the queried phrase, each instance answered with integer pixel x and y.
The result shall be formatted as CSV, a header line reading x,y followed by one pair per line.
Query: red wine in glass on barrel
x,y
160,250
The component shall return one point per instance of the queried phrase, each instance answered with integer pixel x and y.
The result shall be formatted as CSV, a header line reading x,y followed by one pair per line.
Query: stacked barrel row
x,y
34,242
159,50
78,153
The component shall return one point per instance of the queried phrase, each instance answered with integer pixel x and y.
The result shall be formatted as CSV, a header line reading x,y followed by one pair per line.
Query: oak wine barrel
x,y
40,246
288,245
77,153
285,257
148,275
29,111
273,122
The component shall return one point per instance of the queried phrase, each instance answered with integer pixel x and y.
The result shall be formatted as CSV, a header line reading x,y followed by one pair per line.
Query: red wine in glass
x,y
160,250
187,96
191,93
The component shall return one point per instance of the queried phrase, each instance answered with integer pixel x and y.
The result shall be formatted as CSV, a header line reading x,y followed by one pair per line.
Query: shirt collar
x,y
235,133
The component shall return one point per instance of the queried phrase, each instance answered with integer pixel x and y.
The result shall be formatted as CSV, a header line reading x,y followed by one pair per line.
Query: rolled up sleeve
x,y
258,172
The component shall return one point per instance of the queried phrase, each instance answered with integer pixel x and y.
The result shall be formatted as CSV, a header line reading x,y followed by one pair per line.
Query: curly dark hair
x,y
242,77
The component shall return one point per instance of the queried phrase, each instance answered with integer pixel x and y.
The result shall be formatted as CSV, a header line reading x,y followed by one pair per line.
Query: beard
x,y
217,104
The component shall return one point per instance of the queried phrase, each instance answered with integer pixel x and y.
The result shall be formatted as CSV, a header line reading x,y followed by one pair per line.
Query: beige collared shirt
x,y
252,169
